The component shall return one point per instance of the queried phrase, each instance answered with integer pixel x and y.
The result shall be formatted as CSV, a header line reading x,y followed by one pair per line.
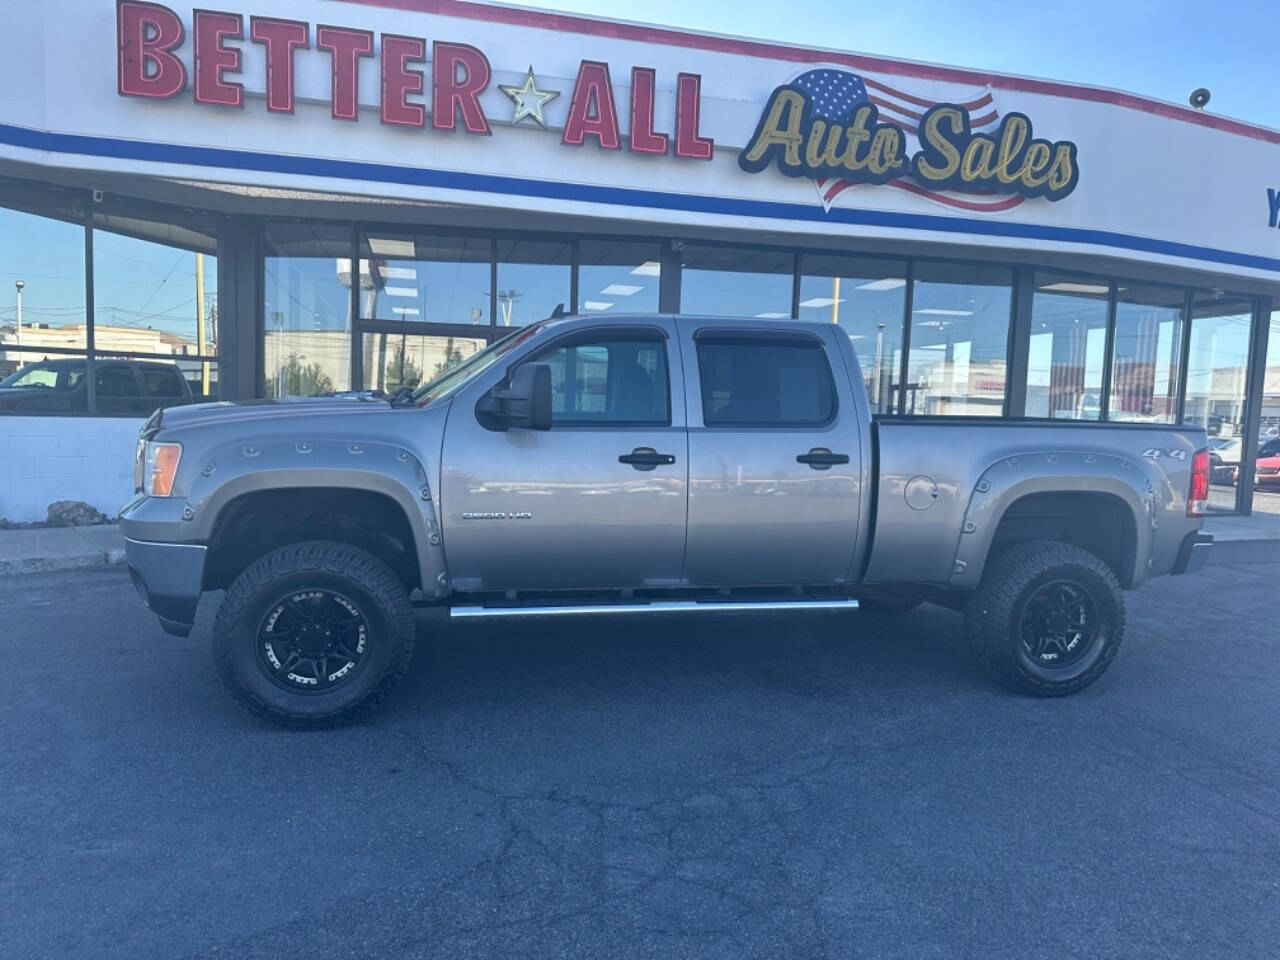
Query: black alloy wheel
x,y
312,640
1058,624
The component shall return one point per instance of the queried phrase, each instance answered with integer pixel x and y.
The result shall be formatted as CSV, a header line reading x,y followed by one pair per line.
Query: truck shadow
x,y
812,656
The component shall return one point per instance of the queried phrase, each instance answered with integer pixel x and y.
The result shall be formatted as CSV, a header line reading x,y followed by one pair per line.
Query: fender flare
x,y
252,466
1010,478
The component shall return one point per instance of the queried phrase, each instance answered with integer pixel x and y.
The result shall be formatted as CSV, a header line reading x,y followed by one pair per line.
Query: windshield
x,y
42,375
472,367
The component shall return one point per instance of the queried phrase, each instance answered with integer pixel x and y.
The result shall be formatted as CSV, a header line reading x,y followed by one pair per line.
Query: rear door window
x,y
765,381
162,382
116,381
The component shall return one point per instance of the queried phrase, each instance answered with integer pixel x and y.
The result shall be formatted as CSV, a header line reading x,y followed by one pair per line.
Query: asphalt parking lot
x,y
840,786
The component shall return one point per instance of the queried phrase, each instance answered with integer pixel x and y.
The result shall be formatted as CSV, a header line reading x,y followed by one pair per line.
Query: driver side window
x,y
609,379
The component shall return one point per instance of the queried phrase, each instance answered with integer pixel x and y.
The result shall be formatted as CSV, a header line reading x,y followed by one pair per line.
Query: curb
x,y
51,549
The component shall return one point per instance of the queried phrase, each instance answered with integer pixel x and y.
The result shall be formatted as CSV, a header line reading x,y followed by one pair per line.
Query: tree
x,y
401,370
296,379
452,357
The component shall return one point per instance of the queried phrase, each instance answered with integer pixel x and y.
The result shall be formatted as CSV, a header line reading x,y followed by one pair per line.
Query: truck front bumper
x,y
168,577
1193,553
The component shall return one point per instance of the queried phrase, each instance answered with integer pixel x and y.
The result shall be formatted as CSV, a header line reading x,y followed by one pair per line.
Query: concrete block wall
x,y
43,459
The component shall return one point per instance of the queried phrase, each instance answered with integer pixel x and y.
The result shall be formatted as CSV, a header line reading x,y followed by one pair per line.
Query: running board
x,y
657,606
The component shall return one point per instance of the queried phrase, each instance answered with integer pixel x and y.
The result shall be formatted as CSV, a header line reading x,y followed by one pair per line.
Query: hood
x,y
225,413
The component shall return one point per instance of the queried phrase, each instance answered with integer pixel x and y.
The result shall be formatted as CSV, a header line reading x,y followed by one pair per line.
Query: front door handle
x,y
646,458
820,458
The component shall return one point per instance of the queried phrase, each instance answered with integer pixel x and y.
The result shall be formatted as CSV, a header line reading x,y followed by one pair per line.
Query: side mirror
x,y
524,402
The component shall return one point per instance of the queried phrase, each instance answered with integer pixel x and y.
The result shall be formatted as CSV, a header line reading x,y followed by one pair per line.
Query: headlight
x,y
160,465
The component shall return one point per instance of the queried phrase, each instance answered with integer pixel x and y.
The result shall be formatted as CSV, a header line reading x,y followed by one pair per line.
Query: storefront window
x,y
1068,347
1217,364
1217,367
618,276
307,310
732,281
396,360
533,279
429,279
959,340
1144,371
41,278
866,298
1266,492
155,297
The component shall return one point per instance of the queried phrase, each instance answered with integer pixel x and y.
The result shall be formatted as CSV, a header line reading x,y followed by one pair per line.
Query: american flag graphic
x,y
835,94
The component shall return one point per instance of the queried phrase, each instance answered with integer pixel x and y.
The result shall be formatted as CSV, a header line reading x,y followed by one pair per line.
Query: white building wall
x,y
43,459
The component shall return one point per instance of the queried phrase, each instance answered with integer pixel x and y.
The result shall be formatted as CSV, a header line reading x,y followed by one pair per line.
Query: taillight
x,y
1198,495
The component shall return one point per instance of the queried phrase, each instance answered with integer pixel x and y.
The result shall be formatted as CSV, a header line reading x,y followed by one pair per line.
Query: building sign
x,y
459,103
150,35
827,125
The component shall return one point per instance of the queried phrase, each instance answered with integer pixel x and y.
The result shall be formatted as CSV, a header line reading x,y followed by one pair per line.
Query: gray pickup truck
x,y
643,465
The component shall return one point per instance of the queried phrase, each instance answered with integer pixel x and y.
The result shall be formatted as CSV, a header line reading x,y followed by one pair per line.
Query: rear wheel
x,y
1047,618
314,634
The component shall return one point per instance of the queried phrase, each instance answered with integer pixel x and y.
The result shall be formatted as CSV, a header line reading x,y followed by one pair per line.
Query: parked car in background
x,y
1224,458
127,388
1266,471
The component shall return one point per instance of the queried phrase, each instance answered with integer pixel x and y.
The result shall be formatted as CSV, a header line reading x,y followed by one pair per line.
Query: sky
x,y
1158,48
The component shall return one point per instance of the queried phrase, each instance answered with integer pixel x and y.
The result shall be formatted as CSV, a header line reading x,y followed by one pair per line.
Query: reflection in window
x,y
959,340
533,279
135,387
1217,373
866,298
396,360
1068,347
155,290
41,278
618,276
1144,372
307,310
1217,364
424,278
1271,382
610,379
733,281
1266,497
42,383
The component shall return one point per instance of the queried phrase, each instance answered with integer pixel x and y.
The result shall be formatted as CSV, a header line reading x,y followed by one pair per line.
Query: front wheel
x,y
314,634
1047,618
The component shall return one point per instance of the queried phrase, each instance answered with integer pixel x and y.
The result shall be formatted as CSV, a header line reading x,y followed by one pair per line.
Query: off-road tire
x,y
314,564
1010,579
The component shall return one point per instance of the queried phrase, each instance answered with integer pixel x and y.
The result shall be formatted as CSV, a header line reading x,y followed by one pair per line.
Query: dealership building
x,y
280,198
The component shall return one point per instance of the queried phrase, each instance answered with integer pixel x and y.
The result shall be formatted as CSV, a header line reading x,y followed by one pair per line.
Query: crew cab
x,y
640,465
133,388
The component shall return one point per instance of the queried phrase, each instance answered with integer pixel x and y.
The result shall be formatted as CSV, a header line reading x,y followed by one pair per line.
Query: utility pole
x,y
201,345
17,313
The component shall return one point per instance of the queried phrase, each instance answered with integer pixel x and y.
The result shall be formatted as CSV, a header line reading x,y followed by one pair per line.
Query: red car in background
x,y
1266,471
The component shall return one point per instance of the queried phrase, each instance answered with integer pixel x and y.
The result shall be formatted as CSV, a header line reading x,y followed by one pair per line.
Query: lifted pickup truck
x,y
641,465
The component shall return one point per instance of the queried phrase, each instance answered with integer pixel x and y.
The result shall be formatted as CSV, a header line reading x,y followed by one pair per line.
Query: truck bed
x,y
942,484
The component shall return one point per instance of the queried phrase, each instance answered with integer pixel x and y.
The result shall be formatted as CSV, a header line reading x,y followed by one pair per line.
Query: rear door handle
x,y
646,458
820,458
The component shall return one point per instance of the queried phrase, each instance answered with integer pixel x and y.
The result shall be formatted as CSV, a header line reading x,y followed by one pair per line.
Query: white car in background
x,y
1224,458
